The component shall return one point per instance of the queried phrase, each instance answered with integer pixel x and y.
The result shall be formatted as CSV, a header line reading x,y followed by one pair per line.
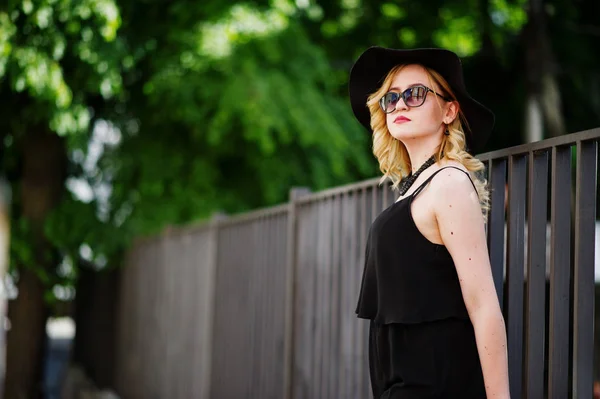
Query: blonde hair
x,y
392,155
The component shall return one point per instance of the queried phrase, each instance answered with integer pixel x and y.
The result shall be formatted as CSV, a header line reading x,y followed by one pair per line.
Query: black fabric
x,y
407,278
373,65
432,360
421,341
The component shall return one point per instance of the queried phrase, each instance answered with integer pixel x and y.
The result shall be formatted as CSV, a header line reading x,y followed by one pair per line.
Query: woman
x,y
436,328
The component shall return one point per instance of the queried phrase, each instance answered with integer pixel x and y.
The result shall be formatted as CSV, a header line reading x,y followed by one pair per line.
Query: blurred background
x,y
119,118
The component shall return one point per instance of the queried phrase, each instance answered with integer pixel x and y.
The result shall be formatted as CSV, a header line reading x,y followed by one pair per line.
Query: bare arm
x,y
461,227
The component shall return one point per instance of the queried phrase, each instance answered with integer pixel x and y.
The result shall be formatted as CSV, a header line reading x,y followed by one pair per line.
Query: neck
x,y
420,151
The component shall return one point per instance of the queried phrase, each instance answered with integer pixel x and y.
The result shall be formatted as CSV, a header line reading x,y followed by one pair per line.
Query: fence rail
x,y
261,305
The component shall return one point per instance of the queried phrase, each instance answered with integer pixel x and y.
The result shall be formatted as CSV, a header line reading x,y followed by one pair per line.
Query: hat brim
x,y
373,65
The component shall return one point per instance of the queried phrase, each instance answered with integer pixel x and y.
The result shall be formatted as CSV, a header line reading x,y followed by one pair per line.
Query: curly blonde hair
x,y
392,155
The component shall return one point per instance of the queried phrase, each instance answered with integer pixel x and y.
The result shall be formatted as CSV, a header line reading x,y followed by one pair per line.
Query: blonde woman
x,y
436,328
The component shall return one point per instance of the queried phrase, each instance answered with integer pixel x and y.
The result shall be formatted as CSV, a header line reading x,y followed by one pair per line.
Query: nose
x,y
401,105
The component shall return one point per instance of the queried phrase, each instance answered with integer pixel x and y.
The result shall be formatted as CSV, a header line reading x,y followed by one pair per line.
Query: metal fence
x,y
165,315
261,305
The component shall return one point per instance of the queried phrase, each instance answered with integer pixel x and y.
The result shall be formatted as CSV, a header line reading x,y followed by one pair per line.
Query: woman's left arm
x,y
461,226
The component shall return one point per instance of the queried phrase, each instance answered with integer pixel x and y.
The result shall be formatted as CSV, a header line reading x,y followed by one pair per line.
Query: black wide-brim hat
x,y
371,68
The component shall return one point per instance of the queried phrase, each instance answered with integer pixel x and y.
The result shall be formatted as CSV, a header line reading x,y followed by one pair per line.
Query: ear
x,y
451,113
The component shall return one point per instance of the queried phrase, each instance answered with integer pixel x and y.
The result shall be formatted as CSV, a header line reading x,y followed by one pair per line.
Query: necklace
x,y
410,179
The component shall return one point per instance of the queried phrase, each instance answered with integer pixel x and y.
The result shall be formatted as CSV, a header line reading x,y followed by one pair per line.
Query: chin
x,y
400,134
406,132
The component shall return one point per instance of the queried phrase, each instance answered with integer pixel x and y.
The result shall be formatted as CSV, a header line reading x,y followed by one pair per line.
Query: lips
x,y
401,119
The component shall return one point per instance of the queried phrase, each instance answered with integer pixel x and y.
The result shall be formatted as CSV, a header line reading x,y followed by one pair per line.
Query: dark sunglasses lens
x,y
416,96
389,101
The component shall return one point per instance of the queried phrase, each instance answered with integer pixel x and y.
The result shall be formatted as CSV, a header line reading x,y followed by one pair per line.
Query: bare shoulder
x,y
453,189
450,162
451,180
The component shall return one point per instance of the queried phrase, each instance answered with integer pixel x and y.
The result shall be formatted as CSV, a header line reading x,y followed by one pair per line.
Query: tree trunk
x,y
544,107
25,339
96,311
42,183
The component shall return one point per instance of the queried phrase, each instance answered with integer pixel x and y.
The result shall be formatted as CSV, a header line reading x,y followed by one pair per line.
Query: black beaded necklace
x,y
410,179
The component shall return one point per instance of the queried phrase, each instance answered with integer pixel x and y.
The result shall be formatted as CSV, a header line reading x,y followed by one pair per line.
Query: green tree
x,y
200,125
227,125
57,57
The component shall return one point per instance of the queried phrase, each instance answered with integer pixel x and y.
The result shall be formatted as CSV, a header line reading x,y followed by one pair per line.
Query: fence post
x,y
211,281
5,200
290,285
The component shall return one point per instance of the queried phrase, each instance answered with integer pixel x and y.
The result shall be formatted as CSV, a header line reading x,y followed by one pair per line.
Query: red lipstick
x,y
401,119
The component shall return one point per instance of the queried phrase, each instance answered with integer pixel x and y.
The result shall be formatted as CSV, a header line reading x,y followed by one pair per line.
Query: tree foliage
x,y
55,55
58,58
227,125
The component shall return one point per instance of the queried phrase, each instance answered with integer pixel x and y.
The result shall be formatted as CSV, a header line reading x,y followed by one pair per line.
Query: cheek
x,y
389,120
433,111
430,116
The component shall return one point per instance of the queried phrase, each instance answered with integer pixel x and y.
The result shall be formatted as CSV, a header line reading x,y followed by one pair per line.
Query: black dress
x,y
421,341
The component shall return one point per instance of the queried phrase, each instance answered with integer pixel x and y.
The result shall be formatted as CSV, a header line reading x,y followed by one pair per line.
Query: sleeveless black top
x,y
407,278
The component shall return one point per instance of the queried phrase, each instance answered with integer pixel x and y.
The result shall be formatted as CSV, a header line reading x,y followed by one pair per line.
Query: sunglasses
x,y
413,97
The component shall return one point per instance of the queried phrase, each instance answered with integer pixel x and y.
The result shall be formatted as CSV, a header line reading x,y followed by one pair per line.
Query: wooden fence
x,y
261,305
